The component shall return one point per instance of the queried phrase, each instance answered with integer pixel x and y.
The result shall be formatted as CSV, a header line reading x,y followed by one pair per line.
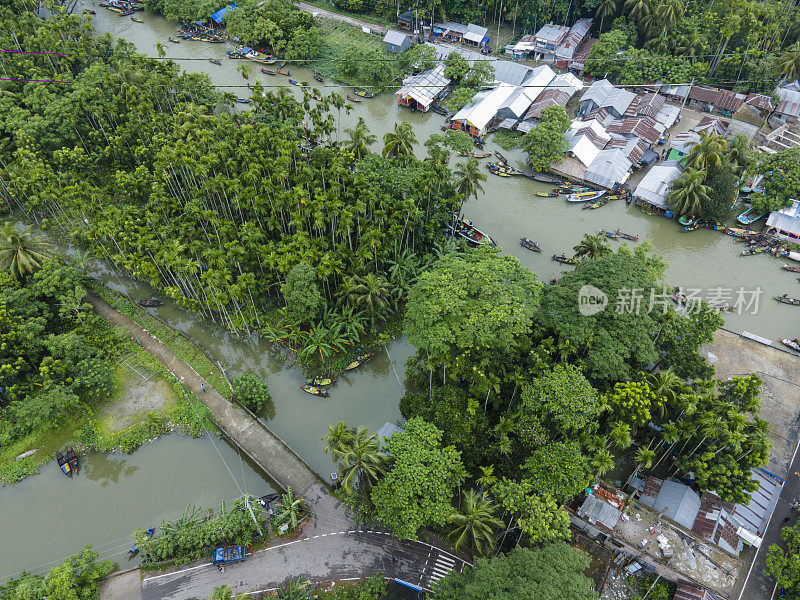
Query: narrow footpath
x,y
334,16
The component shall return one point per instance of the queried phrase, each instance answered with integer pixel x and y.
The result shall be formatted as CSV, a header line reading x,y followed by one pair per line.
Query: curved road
x,y
322,558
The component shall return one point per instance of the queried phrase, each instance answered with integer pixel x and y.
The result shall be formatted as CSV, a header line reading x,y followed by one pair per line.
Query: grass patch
x,y
343,53
362,17
507,140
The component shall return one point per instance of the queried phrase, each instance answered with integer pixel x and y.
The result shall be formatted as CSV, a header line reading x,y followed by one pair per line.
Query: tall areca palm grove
x,y
154,170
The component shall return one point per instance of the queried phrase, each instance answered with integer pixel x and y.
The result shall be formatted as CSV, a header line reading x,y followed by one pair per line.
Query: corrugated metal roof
x,y
517,103
608,168
728,100
484,106
512,73
618,99
577,33
552,33
760,101
424,87
597,511
475,33
598,91
649,105
786,219
687,590
396,38
641,127
678,502
790,109
654,186
704,94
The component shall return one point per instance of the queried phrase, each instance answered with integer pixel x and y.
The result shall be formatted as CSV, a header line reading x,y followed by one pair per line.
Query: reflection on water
x,y
107,468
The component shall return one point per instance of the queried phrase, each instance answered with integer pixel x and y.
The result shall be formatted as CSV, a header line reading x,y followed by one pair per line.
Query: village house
x,y
609,169
397,41
547,39
475,116
785,223
558,93
408,22
654,186
420,92
450,31
602,94
566,50
788,108
475,35
517,104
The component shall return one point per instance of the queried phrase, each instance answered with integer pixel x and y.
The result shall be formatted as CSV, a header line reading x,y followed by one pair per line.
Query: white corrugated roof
x,y
654,186
598,91
583,149
567,82
395,38
484,106
786,219
519,101
608,168
537,80
424,87
475,33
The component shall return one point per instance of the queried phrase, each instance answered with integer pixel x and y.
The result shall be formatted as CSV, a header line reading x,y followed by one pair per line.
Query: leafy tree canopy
x,y
781,180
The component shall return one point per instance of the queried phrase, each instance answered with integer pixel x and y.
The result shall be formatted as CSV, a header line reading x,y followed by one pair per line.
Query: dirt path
x,y
254,438
333,16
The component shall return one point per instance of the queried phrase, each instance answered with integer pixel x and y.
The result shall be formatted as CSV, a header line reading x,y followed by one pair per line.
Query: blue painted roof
x,y
217,16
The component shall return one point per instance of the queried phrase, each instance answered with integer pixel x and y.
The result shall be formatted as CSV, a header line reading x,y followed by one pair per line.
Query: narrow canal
x,y
50,516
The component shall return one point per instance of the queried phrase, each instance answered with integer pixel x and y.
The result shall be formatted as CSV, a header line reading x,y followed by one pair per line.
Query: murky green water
x,y
51,516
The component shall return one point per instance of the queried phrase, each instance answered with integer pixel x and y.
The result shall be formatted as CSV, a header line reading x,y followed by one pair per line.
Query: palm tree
x,y
592,246
316,342
21,251
468,177
360,139
487,478
707,154
620,435
371,292
669,12
665,384
606,8
739,154
691,45
244,70
688,193
645,457
474,524
225,592
399,142
638,8
161,49
788,63
289,508
361,461
602,462
337,440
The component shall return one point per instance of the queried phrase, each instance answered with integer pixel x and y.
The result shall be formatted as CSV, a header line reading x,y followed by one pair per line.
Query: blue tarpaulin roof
x,y
217,16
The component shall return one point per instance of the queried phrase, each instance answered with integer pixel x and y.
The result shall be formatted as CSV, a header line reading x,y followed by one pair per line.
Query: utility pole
x,y
247,504
499,16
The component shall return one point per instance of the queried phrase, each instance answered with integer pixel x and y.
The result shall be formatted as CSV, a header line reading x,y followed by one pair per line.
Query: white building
x,y
420,91
785,223
654,186
609,168
475,116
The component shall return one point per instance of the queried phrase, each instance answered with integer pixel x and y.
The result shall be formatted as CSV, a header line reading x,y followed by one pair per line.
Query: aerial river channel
x,y
49,516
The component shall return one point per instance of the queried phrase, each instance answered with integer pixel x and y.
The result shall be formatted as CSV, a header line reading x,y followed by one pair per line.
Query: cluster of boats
x,y
501,168
793,344
244,52
122,7
360,95
200,33
318,386
67,461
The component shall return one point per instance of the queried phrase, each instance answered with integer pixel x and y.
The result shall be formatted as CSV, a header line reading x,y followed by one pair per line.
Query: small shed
x,y
421,91
407,21
397,41
476,35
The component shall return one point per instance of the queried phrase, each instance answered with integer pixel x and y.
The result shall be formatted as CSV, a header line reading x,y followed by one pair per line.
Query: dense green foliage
x,y
781,180
552,571
545,143
784,563
251,391
213,206
275,26
76,578
54,350
196,532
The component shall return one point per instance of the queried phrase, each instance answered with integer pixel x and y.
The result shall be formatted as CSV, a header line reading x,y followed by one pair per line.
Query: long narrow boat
x,y
547,194
360,360
628,236
474,236
614,235
349,97
790,268
540,177
149,303
597,203
319,78
285,72
565,260
294,82
585,196
739,232
692,227
319,381
786,299
749,216
136,20
243,100
529,244
500,157
572,189
174,41
267,71
63,464
481,155
686,221
793,344
72,458
364,93
214,61
315,391
755,250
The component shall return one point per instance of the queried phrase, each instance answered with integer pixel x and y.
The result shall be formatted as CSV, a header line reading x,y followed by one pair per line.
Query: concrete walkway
x,y
252,437
322,559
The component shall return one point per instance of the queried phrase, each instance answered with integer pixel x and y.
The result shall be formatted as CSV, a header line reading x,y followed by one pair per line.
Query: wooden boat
x,y
564,260
572,189
481,155
27,454
739,232
540,177
786,299
500,157
72,458
585,196
87,11
692,227
349,97
609,234
319,78
267,71
441,110
755,250
596,203
149,303
174,41
547,194
63,464
364,94
285,72
315,391
474,236
214,61
243,100
793,344
319,381
749,216
478,143
136,20
294,82
686,221
790,268
529,244
360,360
628,236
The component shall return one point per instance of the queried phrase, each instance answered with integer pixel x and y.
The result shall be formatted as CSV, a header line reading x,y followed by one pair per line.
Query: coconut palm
x,y
474,524
370,292
739,154
225,592
638,9
361,461
708,153
289,509
665,384
161,49
788,63
468,177
22,251
606,8
668,12
691,45
337,440
360,139
601,462
399,142
688,193
592,246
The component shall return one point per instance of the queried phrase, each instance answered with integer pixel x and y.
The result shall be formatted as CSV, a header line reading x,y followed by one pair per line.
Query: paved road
x,y
321,558
334,16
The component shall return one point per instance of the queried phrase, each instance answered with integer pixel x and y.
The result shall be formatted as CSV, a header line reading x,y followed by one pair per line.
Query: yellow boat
x,y
360,360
